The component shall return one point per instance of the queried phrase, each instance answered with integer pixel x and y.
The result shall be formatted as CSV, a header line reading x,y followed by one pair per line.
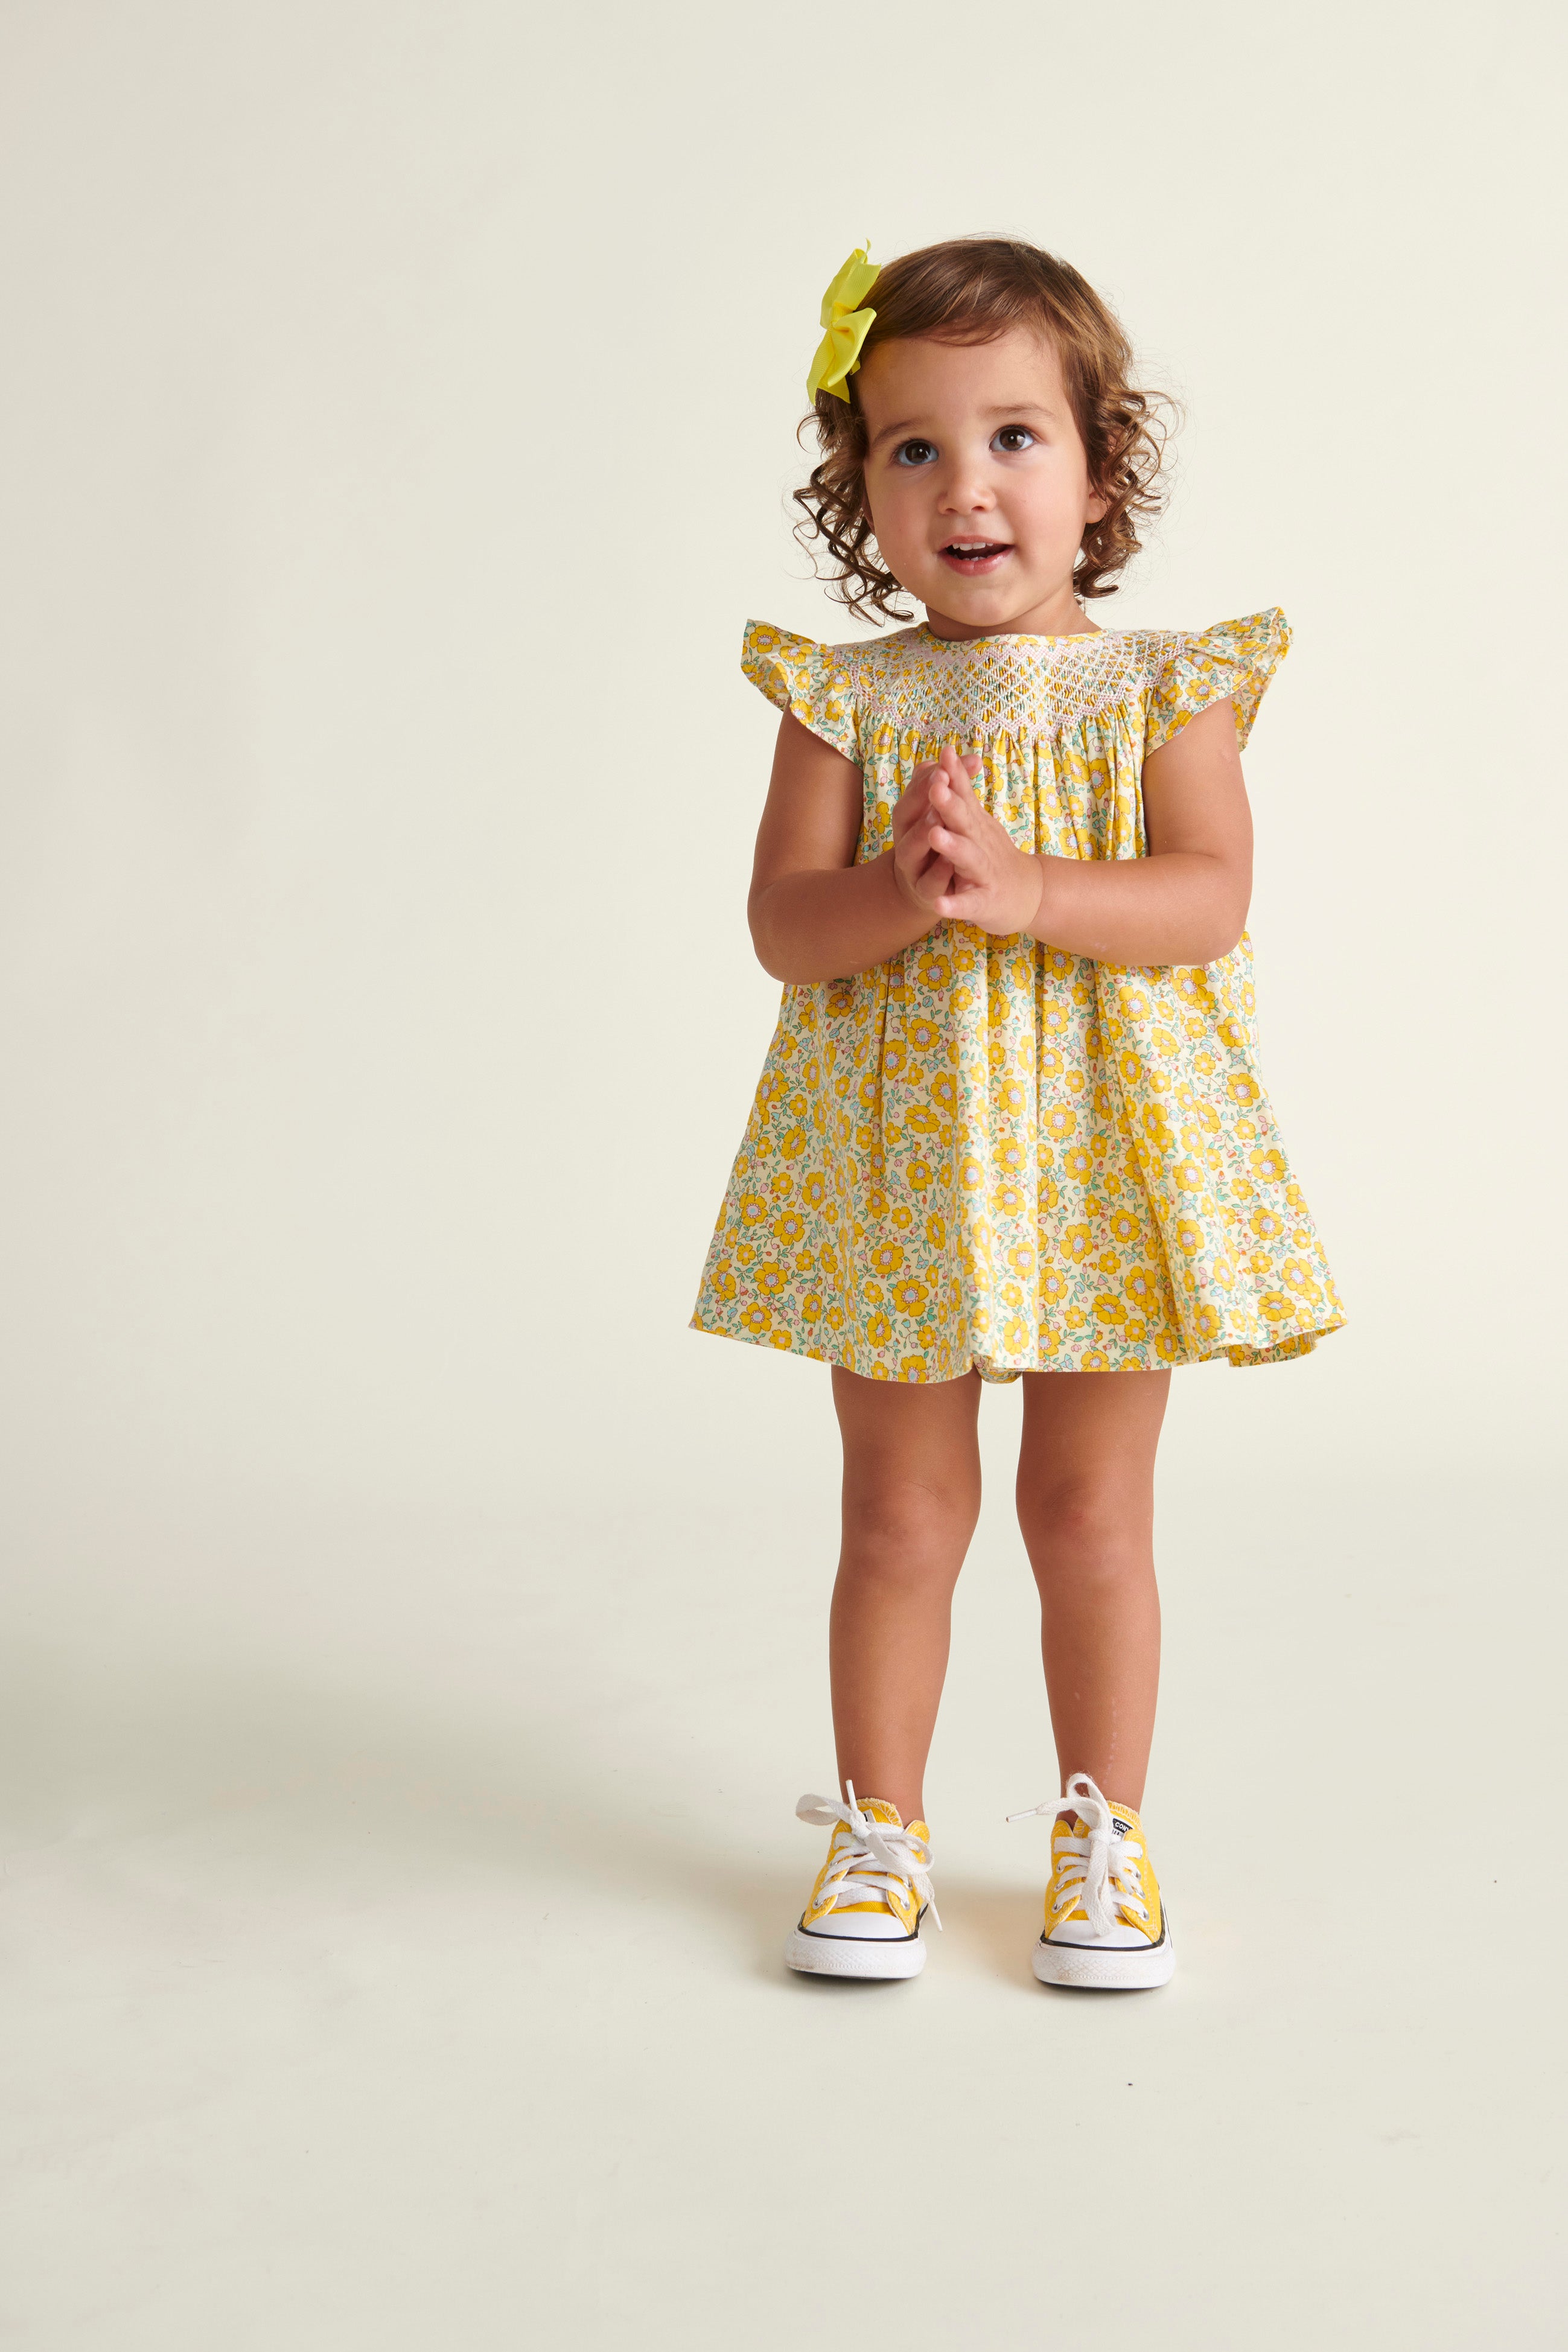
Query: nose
x,y
966,490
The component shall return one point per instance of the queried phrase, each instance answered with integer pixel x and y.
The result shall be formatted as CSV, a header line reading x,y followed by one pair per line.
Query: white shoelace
x,y
872,1849
1101,1870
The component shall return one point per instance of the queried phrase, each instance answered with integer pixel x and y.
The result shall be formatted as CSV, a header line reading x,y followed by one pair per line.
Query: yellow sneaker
x,y
1105,1923
871,1893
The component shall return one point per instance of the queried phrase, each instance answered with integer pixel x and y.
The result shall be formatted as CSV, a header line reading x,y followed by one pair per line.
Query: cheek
x,y
894,504
1057,501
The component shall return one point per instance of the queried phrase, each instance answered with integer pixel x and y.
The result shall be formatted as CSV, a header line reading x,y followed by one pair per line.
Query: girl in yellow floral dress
x,y
1011,1122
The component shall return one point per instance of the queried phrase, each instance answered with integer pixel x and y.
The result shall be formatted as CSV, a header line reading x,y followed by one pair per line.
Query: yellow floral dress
x,y
985,1151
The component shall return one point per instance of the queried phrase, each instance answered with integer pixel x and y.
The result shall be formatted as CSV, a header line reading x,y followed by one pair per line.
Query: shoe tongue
x,y
1124,1823
877,1809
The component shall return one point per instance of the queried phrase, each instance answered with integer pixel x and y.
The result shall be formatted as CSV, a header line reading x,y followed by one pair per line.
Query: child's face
x,y
977,480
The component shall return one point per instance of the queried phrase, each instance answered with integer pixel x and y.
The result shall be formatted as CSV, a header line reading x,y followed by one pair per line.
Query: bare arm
x,y
815,914
1185,903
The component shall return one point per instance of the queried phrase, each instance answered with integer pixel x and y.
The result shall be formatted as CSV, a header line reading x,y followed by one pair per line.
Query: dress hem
x,y
1243,1354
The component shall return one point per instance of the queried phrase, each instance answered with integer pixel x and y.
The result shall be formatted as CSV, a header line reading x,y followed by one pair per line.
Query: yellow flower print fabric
x,y
985,1151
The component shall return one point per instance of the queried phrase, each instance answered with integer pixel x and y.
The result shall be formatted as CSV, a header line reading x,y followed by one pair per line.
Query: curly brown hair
x,y
971,290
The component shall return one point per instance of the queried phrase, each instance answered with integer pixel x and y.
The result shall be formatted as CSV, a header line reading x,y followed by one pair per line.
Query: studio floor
x,y
409,1977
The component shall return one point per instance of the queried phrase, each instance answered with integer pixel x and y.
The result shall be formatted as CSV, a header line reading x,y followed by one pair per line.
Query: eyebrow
x,y
1002,408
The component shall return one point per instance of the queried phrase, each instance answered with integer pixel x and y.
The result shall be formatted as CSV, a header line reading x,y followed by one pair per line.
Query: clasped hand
x,y
953,860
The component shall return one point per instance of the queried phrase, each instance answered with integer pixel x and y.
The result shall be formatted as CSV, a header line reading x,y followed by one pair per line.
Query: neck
x,y
1059,615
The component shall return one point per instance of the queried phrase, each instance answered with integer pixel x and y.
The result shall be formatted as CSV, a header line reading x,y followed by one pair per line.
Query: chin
x,y
974,599
979,609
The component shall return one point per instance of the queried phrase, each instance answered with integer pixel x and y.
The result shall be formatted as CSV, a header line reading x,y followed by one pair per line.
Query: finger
x,y
911,849
934,883
955,805
911,811
914,801
962,856
950,788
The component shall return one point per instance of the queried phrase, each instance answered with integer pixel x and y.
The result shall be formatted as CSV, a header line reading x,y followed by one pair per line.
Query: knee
x,y
1091,1529
900,1530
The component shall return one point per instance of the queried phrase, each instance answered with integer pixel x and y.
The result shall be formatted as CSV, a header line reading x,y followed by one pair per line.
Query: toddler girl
x,y
1011,1121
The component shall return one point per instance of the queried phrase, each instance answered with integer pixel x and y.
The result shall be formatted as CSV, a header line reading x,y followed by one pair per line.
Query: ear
x,y
1098,507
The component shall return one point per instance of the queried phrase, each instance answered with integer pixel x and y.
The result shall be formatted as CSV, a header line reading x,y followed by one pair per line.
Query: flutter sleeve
x,y
804,678
1235,657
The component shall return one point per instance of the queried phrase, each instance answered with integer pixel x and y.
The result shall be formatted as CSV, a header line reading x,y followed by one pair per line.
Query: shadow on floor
x,y
306,1781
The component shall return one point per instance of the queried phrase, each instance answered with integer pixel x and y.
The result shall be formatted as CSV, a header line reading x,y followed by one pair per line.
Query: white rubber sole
x,y
854,1956
1106,1969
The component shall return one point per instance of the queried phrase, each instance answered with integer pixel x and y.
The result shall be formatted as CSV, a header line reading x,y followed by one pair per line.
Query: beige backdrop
x,y
398,408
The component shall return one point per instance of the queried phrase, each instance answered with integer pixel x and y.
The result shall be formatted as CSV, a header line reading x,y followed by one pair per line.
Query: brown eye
x,y
1014,438
914,453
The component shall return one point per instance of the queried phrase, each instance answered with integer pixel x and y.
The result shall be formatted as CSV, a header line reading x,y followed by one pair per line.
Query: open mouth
x,y
974,556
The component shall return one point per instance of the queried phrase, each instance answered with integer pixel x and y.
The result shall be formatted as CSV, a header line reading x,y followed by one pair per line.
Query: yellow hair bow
x,y
839,353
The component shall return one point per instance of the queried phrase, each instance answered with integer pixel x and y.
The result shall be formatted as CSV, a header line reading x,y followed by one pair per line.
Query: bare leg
x,y
912,1497
1086,1506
